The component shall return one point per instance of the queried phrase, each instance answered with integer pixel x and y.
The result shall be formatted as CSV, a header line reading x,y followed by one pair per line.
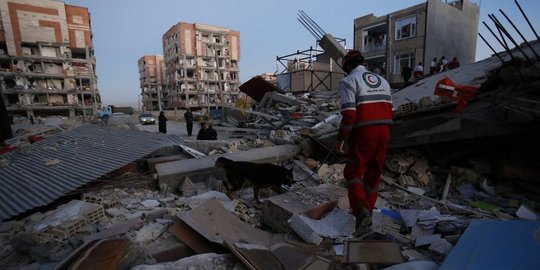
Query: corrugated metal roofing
x,y
85,154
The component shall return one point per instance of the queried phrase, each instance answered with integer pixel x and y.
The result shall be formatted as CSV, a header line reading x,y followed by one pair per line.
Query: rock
x,y
150,203
441,246
200,261
150,232
525,213
115,212
23,242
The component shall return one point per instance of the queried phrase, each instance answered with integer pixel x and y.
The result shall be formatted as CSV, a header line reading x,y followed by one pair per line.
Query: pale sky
x,y
125,30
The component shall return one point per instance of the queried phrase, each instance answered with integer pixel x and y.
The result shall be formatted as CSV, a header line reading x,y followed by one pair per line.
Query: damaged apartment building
x,y
155,96
201,63
47,64
418,34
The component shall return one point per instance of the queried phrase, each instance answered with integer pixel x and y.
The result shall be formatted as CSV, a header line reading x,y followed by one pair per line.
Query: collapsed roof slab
x,y
47,170
172,173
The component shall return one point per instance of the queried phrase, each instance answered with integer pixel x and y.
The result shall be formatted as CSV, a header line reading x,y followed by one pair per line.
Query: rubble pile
x,y
432,204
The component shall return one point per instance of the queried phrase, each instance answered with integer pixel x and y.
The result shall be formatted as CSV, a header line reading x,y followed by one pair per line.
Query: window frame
x,y
399,57
399,35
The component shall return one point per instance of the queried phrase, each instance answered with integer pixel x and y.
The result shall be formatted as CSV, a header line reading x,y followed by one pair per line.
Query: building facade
x,y
47,63
155,96
201,64
416,34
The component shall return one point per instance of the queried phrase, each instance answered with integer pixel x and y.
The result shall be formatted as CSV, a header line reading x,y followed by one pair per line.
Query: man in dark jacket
x,y
162,122
202,135
406,74
189,121
211,132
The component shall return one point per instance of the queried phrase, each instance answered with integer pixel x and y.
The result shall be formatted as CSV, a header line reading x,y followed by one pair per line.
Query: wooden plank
x,y
373,252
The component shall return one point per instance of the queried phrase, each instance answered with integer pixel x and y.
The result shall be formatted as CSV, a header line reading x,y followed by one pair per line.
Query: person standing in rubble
x,y
162,122
406,73
433,67
189,121
203,132
454,63
366,107
211,133
418,71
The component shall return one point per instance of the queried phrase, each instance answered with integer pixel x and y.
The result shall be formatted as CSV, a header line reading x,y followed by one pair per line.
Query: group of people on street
x,y
435,66
206,132
442,65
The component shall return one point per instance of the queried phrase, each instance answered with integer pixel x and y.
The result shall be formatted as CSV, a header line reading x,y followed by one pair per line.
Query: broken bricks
x,y
314,202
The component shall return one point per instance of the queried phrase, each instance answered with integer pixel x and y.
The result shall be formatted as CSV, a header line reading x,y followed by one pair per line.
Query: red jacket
x,y
365,100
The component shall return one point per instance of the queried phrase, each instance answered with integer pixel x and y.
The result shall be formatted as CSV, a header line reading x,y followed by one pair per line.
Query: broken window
x,y
13,99
402,60
3,48
4,65
374,38
78,53
406,27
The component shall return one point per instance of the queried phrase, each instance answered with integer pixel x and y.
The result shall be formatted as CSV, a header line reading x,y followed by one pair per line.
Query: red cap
x,y
352,54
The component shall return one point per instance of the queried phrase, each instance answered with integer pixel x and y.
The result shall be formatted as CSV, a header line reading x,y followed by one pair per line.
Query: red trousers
x,y
365,163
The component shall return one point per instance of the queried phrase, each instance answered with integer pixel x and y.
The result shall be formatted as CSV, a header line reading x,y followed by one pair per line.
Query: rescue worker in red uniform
x,y
366,107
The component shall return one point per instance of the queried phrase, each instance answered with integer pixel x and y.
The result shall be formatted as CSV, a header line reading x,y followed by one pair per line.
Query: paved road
x,y
173,127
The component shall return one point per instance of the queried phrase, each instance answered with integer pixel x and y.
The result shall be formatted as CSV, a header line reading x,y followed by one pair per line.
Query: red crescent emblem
x,y
371,79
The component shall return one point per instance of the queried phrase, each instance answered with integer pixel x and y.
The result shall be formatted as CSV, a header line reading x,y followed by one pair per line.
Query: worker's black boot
x,y
363,222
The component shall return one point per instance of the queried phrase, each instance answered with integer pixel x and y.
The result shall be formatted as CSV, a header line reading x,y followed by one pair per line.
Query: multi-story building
x,y
416,34
47,64
201,64
152,79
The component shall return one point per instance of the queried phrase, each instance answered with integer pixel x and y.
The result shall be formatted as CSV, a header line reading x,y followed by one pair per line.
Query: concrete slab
x,y
255,256
335,224
218,225
414,265
314,202
170,174
426,240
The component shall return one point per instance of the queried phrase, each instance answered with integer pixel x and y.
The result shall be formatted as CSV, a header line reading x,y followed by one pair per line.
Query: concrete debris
x,y
170,211
427,239
441,246
150,232
526,213
150,203
200,261
336,224
414,265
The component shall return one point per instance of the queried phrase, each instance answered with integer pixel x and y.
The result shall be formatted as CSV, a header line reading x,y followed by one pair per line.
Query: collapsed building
x,y
47,65
155,96
202,65
439,208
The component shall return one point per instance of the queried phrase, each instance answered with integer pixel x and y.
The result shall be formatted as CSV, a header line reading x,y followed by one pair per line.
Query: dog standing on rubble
x,y
238,174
